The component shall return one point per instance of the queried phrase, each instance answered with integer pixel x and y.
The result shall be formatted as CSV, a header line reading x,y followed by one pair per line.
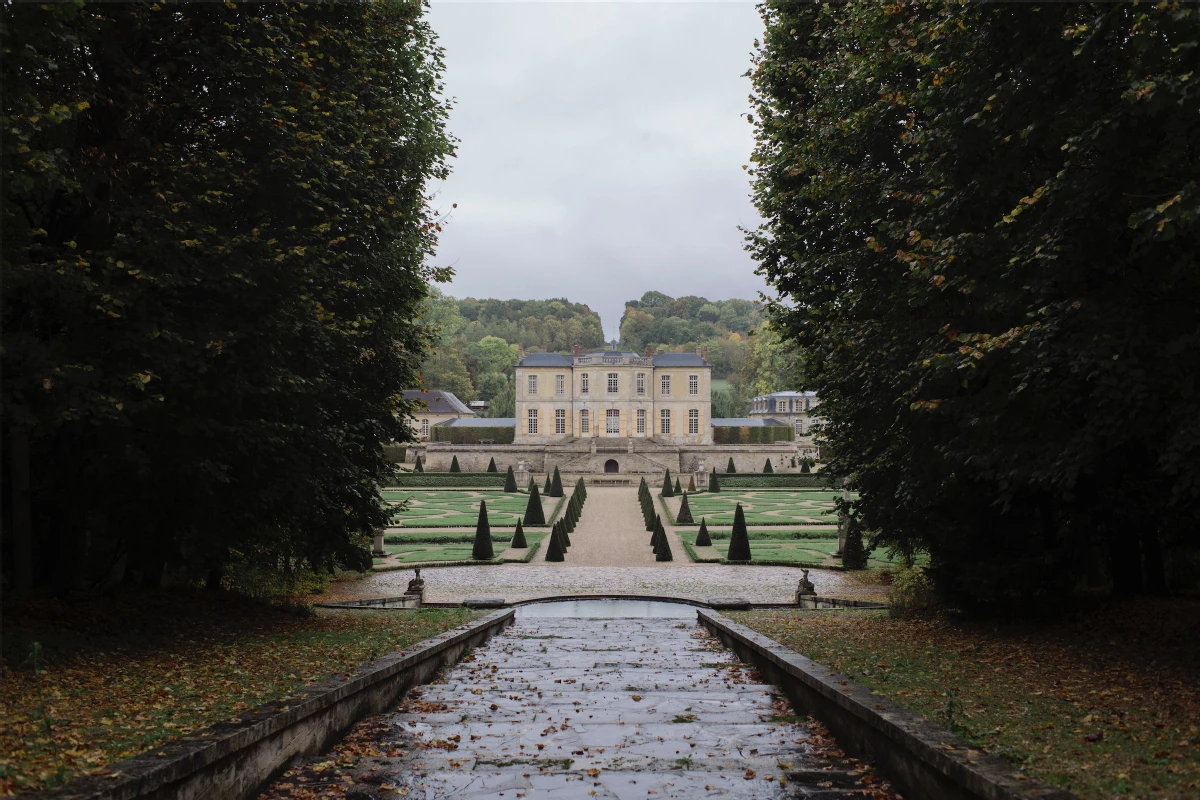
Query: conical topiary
x,y
684,517
482,549
854,553
546,487
804,465
510,480
556,487
663,553
739,540
554,552
533,509
454,464
731,468
714,485
691,483
678,489
657,529
419,467
702,538
492,465
532,485
767,468
566,535
667,491
518,539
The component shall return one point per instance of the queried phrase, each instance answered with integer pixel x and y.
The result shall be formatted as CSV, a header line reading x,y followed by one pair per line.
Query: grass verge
x,y
1103,701
117,676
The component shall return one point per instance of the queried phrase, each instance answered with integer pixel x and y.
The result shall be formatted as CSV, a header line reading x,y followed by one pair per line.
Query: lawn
x,y
120,675
460,509
790,548
767,507
449,546
1103,701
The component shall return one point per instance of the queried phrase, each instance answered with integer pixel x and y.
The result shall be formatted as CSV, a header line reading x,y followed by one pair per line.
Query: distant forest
x,y
476,343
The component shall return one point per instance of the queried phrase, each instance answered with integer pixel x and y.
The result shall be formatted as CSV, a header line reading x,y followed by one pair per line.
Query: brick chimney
x,y
649,352
662,350
578,351
705,356
699,351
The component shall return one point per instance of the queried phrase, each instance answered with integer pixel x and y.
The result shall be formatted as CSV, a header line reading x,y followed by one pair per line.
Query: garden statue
x,y
805,587
417,584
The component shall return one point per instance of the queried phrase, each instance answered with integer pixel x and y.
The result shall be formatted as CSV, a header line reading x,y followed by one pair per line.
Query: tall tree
x,y
983,218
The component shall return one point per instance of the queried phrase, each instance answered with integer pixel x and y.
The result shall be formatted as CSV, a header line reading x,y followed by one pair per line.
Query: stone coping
x,y
921,758
820,603
233,759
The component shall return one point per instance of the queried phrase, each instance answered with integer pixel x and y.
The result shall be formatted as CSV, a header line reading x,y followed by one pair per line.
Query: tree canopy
x,y
981,222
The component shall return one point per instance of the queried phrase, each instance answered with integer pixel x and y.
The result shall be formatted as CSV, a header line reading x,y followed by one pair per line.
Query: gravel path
x,y
611,534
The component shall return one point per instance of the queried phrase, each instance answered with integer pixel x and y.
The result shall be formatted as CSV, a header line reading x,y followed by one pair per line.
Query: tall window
x,y
583,422
799,427
665,385
641,421
583,383
533,384
612,383
560,420
693,420
425,427
693,384
664,421
641,383
612,422
560,384
531,426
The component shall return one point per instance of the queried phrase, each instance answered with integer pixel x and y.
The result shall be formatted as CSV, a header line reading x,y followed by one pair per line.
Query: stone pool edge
x,y
921,758
234,759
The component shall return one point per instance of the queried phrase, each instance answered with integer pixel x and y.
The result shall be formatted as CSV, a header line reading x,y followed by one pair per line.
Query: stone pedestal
x,y
379,551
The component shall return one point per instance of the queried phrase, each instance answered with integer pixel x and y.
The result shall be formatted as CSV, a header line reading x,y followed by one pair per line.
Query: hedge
x,y
456,435
474,480
395,453
752,434
780,480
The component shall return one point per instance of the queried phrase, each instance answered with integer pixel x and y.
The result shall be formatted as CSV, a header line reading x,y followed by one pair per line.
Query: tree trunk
x,y
22,510
1152,563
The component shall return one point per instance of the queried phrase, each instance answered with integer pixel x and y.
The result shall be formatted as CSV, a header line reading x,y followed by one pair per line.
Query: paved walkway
x,y
611,533
600,708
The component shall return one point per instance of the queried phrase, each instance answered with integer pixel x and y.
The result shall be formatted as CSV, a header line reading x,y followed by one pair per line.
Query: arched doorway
x,y
610,465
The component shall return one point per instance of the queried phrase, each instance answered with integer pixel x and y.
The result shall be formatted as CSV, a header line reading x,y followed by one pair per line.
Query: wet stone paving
x,y
601,707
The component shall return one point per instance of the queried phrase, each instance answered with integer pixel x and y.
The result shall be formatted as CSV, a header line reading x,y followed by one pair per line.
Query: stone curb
x,y
919,757
234,759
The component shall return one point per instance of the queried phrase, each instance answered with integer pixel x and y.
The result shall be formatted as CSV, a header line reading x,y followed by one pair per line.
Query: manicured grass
x,y
767,507
458,509
457,550
1104,701
778,548
124,674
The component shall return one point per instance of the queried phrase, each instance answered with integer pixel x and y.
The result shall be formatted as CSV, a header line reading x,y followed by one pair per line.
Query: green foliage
x,y
546,488
491,467
730,468
663,551
446,480
797,480
685,513
702,537
454,465
464,435
482,550
533,509
739,538
419,467
982,222
216,240
767,468
714,483
911,593
691,483
556,487
677,489
752,434
854,552
667,490
510,480
555,551
518,540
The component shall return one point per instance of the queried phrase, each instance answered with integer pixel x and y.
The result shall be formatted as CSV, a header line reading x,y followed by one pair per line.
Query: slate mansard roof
x,y
546,360
746,422
479,422
662,360
680,360
438,402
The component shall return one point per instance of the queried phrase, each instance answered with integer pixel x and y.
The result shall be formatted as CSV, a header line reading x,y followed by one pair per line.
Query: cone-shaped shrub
x,y
714,485
804,466
533,509
532,485
678,488
767,468
510,480
556,487
555,551
663,553
492,465
482,549
518,539
566,535
684,517
854,554
454,464
656,528
739,540
691,483
731,468
702,538
546,487
666,490
419,466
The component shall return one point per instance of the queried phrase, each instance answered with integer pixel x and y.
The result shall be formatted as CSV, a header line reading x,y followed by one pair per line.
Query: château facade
x,y
612,394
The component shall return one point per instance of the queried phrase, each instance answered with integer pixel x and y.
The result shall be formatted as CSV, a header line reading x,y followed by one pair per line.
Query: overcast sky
x,y
602,150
